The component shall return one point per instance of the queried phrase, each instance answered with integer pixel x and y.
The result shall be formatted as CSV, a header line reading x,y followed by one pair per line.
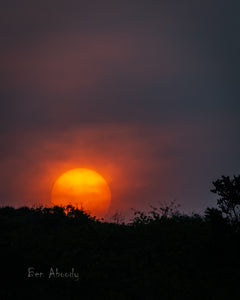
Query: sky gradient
x,y
143,92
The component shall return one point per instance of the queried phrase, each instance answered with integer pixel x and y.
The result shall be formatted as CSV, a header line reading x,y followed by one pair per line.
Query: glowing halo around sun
x,y
82,188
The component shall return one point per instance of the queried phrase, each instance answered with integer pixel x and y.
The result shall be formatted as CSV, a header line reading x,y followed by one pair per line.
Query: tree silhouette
x,y
228,190
118,218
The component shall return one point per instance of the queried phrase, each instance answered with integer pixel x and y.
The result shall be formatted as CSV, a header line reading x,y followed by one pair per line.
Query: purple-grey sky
x,y
144,92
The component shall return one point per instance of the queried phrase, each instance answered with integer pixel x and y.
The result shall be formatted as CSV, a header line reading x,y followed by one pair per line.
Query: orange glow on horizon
x,y
82,188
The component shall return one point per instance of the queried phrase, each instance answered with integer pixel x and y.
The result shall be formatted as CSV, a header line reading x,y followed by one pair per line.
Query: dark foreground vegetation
x,y
161,255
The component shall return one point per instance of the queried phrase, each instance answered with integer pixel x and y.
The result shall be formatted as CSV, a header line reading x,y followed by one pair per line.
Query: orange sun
x,y
84,189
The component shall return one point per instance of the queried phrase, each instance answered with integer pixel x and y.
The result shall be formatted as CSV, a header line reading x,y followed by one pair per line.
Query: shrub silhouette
x,y
157,214
214,215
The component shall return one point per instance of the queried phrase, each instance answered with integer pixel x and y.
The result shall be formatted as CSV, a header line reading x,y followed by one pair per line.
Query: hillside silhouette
x,y
160,255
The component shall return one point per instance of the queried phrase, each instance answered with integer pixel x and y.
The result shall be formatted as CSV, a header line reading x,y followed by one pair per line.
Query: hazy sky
x,y
144,92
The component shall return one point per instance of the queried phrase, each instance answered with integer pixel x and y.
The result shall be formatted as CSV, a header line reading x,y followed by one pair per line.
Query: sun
x,y
82,188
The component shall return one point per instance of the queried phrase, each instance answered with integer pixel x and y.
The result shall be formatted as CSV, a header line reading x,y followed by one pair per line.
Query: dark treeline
x,y
160,255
